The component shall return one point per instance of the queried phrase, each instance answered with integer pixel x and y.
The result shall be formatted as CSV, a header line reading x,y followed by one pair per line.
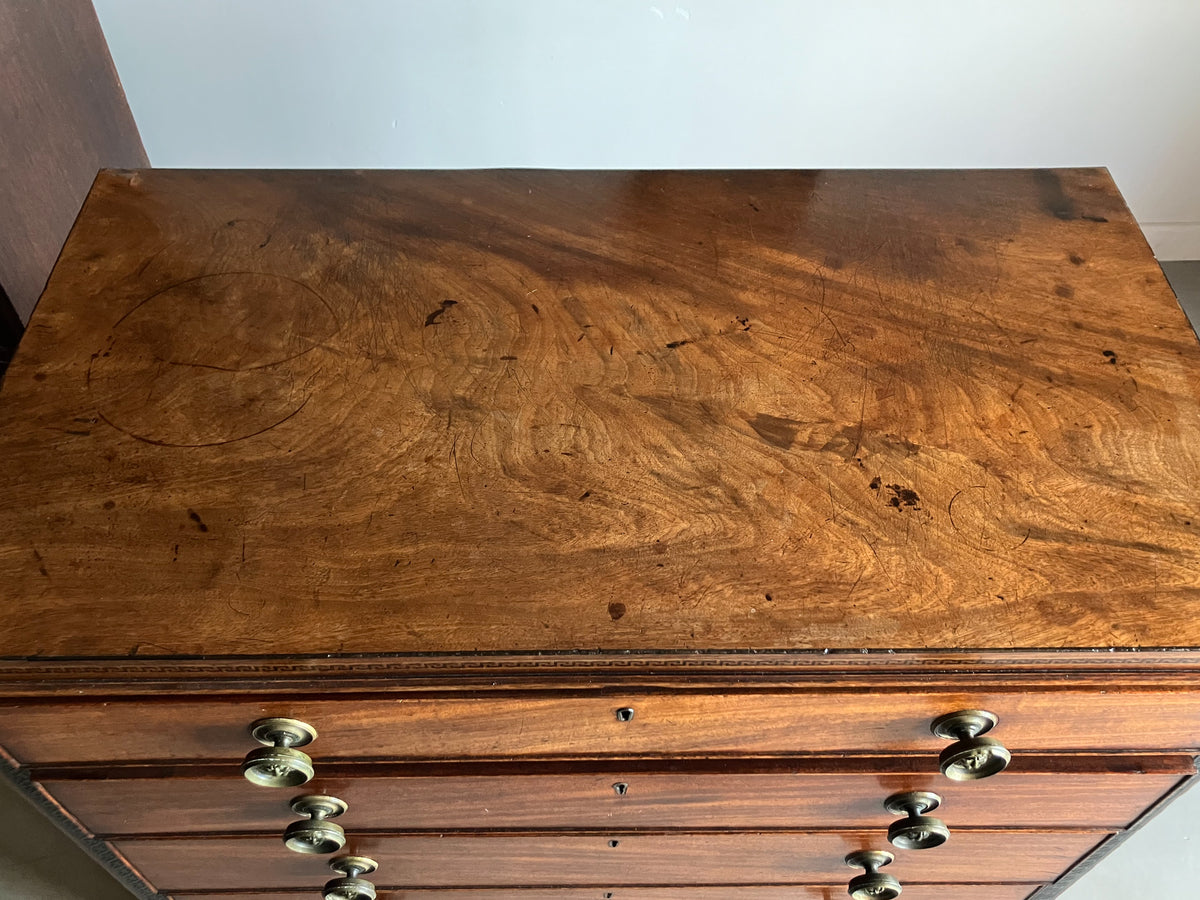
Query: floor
x,y
37,862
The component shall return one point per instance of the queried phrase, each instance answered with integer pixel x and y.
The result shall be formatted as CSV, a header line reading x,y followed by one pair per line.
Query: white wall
x,y
706,83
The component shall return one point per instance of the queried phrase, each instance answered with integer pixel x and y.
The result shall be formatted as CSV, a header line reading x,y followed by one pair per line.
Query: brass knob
x,y
350,886
279,764
916,831
872,885
316,834
970,757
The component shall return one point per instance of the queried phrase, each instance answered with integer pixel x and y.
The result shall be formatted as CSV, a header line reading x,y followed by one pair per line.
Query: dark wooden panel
x,y
63,116
799,892
556,860
664,725
312,412
680,800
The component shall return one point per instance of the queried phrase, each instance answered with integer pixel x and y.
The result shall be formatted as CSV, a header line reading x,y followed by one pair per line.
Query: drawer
x,y
613,860
691,795
800,892
587,726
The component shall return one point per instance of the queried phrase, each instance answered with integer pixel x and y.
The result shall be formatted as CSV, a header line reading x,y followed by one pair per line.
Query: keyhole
x,y
621,788
625,714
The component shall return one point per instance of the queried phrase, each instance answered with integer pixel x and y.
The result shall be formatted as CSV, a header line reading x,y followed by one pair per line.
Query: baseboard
x,y
1173,240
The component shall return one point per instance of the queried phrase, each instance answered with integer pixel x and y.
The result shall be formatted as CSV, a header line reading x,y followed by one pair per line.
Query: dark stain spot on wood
x,y
1111,356
40,376
77,433
965,243
1094,218
1064,290
585,495
508,357
674,344
1076,259
902,496
776,431
744,322
752,206
834,262
770,599
110,504
432,318
535,308
616,611
1052,197
195,517
875,483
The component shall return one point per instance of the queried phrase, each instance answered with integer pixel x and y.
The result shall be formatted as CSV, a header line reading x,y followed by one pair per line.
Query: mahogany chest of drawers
x,y
629,535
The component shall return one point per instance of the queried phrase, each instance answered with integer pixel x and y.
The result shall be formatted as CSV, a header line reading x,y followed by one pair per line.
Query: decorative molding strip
x,y
59,677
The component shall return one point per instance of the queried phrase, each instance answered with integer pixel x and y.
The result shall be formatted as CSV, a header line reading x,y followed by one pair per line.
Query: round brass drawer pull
x,y
279,764
916,831
970,757
350,886
873,885
316,834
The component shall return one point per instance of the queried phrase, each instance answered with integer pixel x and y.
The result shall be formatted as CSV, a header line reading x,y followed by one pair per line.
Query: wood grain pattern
x,y
637,859
63,115
665,725
683,800
793,892
310,413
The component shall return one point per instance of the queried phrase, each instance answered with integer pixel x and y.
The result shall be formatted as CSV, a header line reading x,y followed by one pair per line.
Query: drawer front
x,y
801,892
616,859
609,800
663,725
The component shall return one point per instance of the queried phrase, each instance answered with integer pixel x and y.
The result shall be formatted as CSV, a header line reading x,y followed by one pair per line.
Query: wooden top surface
x,y
312,412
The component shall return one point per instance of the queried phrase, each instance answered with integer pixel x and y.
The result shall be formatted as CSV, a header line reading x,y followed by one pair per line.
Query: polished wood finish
x,y
637,859
454,465
531,410
791,892
573,726
63,116
685,799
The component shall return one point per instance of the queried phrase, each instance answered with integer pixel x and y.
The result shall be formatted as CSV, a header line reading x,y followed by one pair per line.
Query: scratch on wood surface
x,y
457,473
157,443
862,411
